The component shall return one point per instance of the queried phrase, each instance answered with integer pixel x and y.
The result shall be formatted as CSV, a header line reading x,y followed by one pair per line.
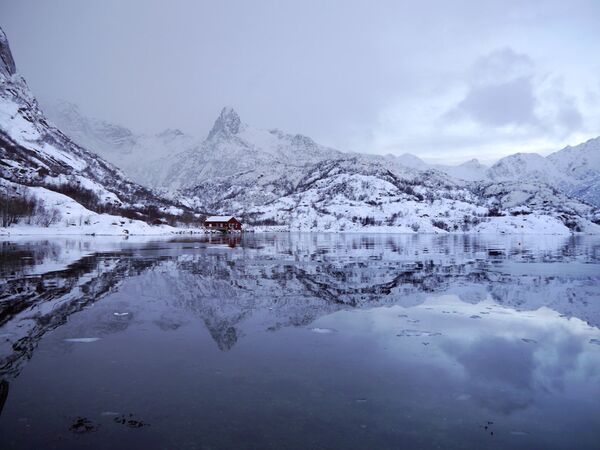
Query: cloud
x,y
500,371
568,115
509,103
500,102
500,91
559,111
501,65
392,77
507,92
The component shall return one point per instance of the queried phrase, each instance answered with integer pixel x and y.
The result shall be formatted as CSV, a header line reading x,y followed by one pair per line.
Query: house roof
x,y
219,218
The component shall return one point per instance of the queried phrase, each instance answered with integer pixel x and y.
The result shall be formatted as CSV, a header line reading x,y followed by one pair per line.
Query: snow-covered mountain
x,y
135,154
174,160
274,178
581,164
37,159
233,148
573,170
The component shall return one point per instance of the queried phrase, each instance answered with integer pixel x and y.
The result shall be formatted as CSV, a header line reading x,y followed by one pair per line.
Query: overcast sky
x,y
445,80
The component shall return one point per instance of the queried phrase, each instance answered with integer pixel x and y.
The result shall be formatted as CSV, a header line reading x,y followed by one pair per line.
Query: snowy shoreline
x,y
45,232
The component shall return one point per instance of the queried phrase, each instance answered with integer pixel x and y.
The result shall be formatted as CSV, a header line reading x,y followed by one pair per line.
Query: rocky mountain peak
x,y
227,123
7,63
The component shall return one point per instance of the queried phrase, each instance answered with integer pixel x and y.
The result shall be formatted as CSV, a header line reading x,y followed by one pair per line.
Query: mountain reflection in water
x,y
301,341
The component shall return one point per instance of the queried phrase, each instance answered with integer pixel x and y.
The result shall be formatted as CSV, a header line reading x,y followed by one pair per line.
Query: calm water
x,y
307,341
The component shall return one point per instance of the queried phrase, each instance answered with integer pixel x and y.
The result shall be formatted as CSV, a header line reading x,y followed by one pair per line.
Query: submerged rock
x,y
82,425
130,421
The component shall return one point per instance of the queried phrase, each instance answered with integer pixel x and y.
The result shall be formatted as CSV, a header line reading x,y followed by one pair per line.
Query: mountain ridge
x,y
262,174
571,172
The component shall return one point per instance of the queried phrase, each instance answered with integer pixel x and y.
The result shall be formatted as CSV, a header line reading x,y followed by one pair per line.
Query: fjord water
x,y
301,341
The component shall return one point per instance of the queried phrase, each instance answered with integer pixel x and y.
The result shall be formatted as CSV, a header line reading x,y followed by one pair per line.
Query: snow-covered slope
x,y
354,195
64,216
408,160
582,165
573,170
35,153
581,161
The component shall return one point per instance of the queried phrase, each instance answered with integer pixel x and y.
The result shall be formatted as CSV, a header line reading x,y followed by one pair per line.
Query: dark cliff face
x,y
7,63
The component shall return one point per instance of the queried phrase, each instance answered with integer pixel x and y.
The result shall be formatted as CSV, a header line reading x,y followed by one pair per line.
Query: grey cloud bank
x,y
446,82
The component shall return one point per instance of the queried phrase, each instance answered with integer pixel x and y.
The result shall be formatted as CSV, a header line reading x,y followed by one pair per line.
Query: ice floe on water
x,y
83,340
418,333
322,330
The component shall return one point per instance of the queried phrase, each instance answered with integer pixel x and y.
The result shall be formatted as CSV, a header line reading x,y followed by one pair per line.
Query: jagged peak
x,y
227,123
7,63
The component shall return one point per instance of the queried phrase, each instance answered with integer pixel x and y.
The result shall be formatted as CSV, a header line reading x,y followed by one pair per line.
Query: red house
x,y
223,223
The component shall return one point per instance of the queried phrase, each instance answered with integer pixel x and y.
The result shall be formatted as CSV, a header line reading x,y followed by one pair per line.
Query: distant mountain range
x,y
269,177
165,157
272,177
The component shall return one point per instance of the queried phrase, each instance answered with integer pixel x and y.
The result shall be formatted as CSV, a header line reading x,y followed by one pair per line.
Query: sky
x,y
445,80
